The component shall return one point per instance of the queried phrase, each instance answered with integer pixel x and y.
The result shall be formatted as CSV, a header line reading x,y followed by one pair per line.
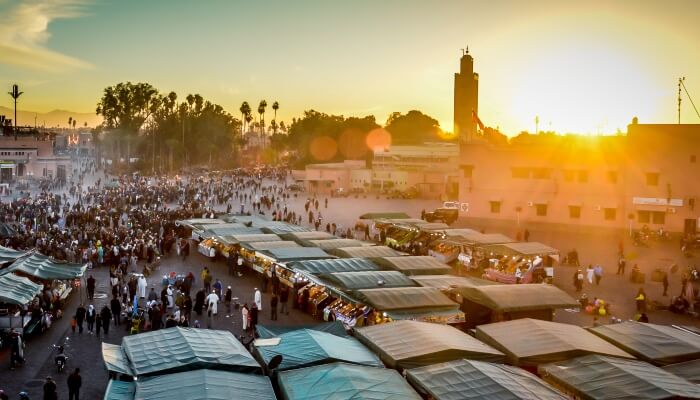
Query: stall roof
x,y
261,246
219,227
297,254
280,227
410,298
312,235
365,251
657,344
115,360
344,381
177,349
18,290
229,232
522,249
460,232
306,347
317,267
443,282
414,265
44,267
367,280
336,328
385,215
330,244
403,221
254,237
689,370
7,254
532,342
432,226
598,377
254,220
482,239
203,384
411,344
199,221
510,298
469,379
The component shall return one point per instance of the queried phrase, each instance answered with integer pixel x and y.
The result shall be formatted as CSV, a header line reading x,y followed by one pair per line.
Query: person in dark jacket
x,y
74,384
50,389
91,287
273,307
284,299
116,307
199,302
90,318
80,317
187,307
253,317
106,317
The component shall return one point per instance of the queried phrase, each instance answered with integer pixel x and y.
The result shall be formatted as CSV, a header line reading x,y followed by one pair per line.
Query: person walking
x,y
641,301
284,299
75,381
228,296
80,317
621,263
598,274
116,307
253,317
239,262
589,274
578,280
98,326
50,389
106,316
212,304
258,299
244,316
665,283
273,307
91,287
90,318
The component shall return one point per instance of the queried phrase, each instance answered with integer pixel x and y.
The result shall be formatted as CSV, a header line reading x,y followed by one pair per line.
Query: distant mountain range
x,y
51,119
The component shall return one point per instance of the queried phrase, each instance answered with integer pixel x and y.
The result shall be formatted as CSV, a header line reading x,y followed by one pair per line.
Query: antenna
x,y
681,82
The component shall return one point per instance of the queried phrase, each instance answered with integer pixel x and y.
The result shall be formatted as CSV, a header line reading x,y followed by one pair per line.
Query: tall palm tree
x,y
70,122
15,93
249,118
74,122
245,110
275,107
261,111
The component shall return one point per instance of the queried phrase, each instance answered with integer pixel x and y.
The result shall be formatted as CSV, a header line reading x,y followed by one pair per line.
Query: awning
x,y
513,298
367,280
336,328
300,236
7,254
42,267
444,282
205,384
405,299
414,265
119,390
476,380
598,377
261,246
18,290
296,254
317,267
689,370
284,228
521,249
329,244
411,344
365,251
253,237
115,360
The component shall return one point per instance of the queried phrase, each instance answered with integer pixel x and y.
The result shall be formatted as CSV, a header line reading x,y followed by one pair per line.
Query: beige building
x,y
28,156
329,177
645,177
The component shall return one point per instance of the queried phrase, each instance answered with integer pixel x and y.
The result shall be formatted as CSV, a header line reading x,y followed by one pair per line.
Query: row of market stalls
x,y
33,288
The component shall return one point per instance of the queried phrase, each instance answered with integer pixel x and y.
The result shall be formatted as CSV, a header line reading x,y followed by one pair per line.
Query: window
x,y
612,176
610,213
658,217
575,212
541,173
582,176
652,178
569,175
520,173
643,217
495,207
468,170
541,210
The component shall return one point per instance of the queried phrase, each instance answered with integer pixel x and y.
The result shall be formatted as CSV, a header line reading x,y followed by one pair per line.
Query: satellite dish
x,y
274,363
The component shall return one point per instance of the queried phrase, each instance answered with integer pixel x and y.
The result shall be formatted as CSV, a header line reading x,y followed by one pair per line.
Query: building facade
x,y
27,156
646,177
466,98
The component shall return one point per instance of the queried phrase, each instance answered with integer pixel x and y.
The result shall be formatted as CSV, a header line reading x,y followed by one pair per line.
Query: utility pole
x,y
537,124
680,81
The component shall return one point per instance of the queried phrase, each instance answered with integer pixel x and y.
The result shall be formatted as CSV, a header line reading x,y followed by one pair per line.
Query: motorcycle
x,y
61,358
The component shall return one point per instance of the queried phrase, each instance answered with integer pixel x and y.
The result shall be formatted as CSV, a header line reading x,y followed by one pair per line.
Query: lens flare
x,y
323,148
378,138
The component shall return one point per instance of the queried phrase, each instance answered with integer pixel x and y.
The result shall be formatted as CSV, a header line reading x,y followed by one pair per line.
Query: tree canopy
x,y
413,128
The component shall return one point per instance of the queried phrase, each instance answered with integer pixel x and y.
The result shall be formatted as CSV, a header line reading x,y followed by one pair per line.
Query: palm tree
x,y
261,111
245,110
249,118
275,107
70,121
74,122
15,93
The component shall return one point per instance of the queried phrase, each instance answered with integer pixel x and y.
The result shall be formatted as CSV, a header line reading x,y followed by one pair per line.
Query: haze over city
x,y
581,67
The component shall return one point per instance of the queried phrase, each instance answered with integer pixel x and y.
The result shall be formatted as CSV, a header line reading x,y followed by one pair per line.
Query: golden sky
x,y
580,66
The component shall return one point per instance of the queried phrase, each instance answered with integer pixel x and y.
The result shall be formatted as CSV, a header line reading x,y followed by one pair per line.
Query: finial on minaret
x,y
467,50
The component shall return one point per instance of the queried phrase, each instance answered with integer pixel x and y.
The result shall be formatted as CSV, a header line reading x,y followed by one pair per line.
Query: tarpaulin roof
x,y
522,249
199,221
297,254
329,244
306,347
255,220
313,235
478,238
431,226
115,360
120,390
367,280
283,227
411,344
460,232
657,344
7,230
260,246
365,251
510,298
43,267
414,265
7,254
532,342
443,282
220,228
597,377
205,384
228,232
409,298
317,267
689,370
344,381
17,290
468,379
336,328
177,349
384,215
254,237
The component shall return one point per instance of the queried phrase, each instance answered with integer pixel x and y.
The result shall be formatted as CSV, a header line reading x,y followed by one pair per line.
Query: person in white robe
x,y
212,302
258,299
141,286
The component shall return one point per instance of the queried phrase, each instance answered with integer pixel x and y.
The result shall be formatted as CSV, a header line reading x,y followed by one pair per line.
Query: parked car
x,y
446,215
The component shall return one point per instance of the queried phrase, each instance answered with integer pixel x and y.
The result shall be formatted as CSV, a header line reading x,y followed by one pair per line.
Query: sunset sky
x,y
581,66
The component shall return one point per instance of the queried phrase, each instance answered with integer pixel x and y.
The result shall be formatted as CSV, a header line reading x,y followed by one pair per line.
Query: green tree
x,y
261,111
245,111
412,128
275,107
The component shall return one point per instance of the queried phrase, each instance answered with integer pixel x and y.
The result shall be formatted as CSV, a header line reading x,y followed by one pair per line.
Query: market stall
x,y
656,344
303,236
414,303
411,344
344,381
252,252
58,277
483,304
530,342
330,244
317,267
199,231
280,258
448,283
351,281
8,255
413,265
600,377
280,227
306,347
466,247
15,293
689,370
192,226
534,260
476,380
365,252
